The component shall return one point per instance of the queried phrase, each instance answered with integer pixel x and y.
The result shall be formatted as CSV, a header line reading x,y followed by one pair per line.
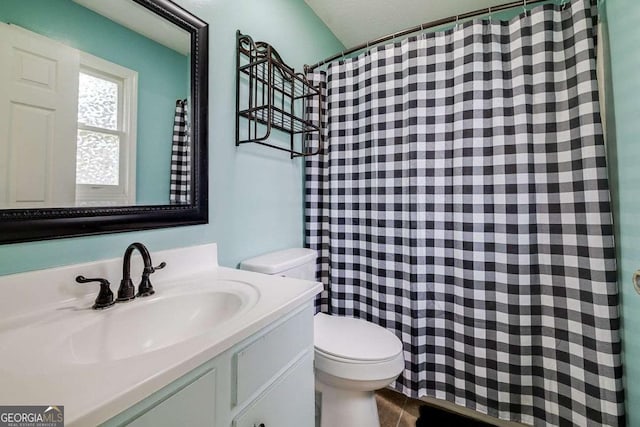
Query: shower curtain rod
x,y
421,27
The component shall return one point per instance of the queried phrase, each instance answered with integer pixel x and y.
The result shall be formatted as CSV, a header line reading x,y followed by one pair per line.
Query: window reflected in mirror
x,y
105,170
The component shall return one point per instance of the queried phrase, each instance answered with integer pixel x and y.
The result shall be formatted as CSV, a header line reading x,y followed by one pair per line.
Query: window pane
x,y
98,158
98,102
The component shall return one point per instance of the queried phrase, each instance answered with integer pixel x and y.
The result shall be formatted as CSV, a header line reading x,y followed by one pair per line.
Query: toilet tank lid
x,y
277,262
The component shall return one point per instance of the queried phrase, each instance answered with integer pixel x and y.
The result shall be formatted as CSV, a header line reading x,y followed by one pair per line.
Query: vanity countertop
x,y
56,350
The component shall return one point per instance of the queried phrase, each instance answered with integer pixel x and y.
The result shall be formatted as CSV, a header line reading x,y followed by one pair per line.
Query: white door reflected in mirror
x,y
39,84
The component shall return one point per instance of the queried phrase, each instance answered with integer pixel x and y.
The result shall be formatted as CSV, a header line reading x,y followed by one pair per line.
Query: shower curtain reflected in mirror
x,y
462,202
180,186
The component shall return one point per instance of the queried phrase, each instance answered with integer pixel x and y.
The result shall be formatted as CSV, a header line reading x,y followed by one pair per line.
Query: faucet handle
x,y
152,270
145,289
105,296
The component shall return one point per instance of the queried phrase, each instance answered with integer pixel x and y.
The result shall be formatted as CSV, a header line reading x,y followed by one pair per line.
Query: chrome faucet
x,y
127,291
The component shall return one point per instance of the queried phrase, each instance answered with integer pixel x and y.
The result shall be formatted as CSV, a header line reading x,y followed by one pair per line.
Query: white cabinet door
x,y
260,361
38,120
194,405
287,403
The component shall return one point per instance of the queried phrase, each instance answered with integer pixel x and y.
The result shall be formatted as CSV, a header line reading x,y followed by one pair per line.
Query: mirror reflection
x,y
93,105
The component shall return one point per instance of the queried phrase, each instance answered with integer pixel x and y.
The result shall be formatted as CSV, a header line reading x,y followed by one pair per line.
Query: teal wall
x,y
255,193
623,129
161,76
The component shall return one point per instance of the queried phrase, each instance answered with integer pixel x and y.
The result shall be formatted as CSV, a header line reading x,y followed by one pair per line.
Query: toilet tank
x,y
299,263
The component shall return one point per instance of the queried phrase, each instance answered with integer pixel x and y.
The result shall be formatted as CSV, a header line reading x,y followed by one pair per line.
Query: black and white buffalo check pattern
x,y
180,188
462,202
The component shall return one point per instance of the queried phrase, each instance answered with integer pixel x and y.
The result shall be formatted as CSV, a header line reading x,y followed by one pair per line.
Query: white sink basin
x,y
152,323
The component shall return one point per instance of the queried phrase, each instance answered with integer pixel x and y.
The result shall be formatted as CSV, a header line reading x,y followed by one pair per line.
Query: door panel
x,y
38,120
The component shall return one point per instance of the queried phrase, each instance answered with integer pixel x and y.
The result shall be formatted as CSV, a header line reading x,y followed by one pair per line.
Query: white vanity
x,y
212,347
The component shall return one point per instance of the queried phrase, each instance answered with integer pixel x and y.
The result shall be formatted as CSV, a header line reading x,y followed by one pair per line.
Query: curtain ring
x,y
524,7
457,20
489,13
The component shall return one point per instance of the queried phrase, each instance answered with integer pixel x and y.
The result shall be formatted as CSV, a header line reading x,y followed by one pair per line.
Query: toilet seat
x,y
350,360
350,339
356,350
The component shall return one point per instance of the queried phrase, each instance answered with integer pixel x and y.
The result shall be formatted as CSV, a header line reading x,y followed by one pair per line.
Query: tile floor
x,y
397,410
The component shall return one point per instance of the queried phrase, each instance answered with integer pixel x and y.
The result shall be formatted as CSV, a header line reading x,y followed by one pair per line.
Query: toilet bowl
x,y
353,357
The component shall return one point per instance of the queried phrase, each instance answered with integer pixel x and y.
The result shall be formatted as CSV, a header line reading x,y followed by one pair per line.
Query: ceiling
x,y
139,19
358,21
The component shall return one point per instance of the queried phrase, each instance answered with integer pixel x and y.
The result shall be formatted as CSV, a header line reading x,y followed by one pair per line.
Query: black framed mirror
x,y
88,207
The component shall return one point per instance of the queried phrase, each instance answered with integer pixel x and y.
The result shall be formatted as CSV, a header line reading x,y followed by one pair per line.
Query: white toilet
x,y
353,357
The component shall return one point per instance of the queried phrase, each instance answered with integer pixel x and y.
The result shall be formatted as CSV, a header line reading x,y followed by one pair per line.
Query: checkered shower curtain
x,y
180,186
462,202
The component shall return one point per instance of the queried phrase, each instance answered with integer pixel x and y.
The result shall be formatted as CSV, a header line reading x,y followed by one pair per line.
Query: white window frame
x,y
125,192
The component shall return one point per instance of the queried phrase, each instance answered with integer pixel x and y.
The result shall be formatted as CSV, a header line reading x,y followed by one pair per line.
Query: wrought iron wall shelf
x,y
271,95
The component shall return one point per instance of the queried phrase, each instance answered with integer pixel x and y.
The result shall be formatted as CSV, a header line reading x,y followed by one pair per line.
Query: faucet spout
x,y
146,258
127,290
